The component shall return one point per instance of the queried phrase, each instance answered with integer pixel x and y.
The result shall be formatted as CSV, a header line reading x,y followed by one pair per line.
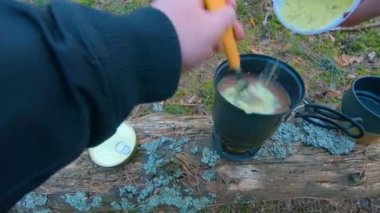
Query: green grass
x,y
176,109
366,41
207,94
40,3
86,2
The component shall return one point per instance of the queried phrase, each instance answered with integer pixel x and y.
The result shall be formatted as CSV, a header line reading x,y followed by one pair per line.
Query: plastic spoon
x,y
229,45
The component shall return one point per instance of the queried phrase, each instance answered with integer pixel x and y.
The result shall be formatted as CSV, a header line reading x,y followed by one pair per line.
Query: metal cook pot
x,y
362,101
242,132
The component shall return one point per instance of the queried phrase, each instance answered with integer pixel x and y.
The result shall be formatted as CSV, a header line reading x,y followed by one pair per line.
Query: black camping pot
x,y
362,101
242,134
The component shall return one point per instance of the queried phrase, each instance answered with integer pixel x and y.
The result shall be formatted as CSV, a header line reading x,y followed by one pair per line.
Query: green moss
x,y
81,202
376,73
328,64
177,109
86,2
157,107
297,43
242,9
209,157
40,3
248,9
301,68
280,145
333,143
325,47
246,44
194,149
32,200
120,10
122,7
180,94
172,168
42,211
361,72
128,190
124,205
208,94
173,196
366,41
208,175
275,26
162,187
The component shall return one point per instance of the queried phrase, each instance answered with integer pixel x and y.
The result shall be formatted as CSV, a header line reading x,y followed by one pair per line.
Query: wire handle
x,y
328,118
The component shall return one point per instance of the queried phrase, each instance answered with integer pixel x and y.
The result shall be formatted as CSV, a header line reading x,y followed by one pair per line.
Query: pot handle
x,y
328,118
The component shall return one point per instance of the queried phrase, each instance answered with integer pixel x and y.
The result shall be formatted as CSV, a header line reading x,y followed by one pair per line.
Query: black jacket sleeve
x,y
69,75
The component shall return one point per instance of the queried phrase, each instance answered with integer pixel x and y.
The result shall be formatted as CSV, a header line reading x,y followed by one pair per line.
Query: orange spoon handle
x,y
228,39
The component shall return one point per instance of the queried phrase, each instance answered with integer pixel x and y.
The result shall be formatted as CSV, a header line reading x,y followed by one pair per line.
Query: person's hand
x,y
367,9
199,31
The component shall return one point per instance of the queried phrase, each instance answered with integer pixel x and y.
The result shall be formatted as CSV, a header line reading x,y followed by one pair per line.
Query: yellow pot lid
x,y
116,149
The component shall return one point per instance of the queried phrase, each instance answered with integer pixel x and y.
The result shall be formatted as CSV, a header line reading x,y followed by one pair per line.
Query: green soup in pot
x,y
258,97
313,14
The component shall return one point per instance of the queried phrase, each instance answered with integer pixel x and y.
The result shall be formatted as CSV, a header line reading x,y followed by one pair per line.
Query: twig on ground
x,y
197,179
185,184
189,105
134,113
265,22
358,27
362,173
184,166
131,180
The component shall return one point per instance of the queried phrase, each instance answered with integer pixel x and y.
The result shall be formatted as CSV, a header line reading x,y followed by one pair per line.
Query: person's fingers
x,y
238,30
211,54
201,3
232,3
221,20
218,47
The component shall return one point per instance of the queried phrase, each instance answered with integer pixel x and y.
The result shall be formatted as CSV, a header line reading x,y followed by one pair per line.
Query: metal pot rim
x,y
354,92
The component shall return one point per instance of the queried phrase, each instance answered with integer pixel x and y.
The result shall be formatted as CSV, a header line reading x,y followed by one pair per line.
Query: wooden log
x,y
307,173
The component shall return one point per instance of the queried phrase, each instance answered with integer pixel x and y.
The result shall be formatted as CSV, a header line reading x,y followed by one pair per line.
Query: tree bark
x,y
307,173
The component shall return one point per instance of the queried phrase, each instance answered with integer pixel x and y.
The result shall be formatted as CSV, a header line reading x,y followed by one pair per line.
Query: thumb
x,y
221,20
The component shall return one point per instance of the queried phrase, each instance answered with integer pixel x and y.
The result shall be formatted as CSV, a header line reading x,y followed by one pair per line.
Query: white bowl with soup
x,y
313,16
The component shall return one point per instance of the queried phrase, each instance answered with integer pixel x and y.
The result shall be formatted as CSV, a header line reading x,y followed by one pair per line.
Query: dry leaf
x,y
275,42
286,47
201,110
333,93
253,23
191,100
359,59
331,37
296,61
256,50
342,61
346,60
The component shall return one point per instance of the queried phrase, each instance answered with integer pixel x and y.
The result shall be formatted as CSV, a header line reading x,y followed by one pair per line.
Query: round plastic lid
x,y
116,149
337,17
